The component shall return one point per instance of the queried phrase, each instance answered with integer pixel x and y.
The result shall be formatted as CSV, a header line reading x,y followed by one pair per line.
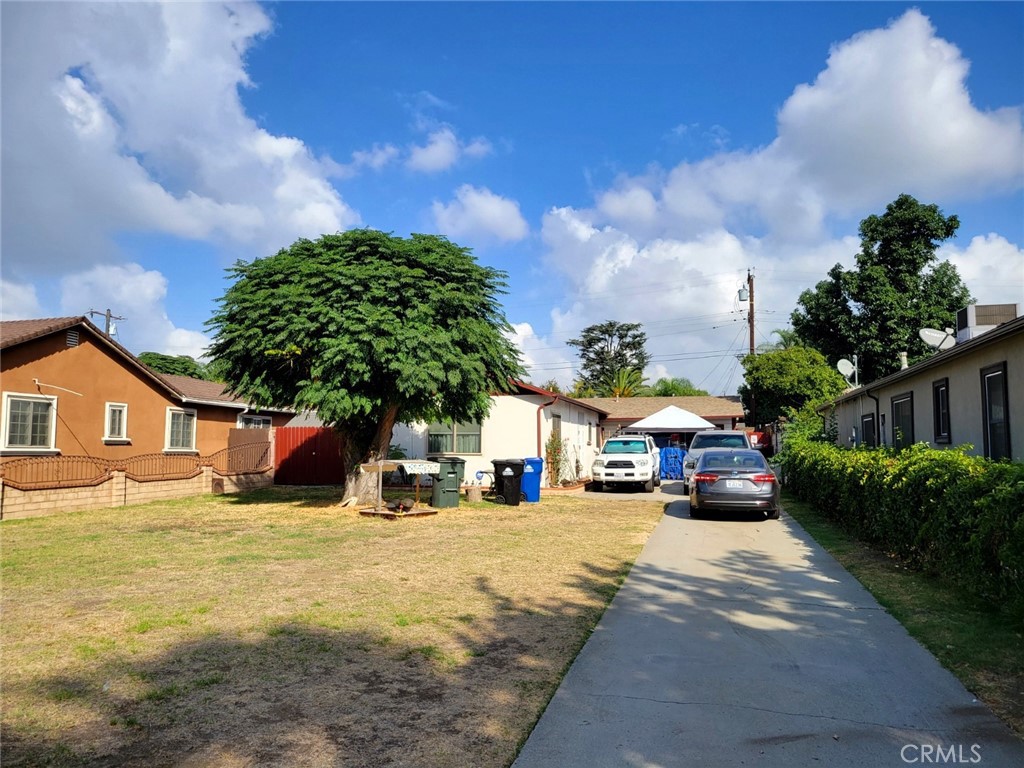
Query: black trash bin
x,y
508,480
448,482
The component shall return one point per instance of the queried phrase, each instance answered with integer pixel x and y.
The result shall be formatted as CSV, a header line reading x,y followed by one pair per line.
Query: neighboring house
x,y
517,427
723,412
68,389
972,393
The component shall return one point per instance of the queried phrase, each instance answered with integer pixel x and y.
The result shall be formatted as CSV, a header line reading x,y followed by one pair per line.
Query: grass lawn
x,y
276,628
982,645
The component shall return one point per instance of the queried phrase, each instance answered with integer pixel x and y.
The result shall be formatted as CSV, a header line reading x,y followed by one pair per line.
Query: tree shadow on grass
x,y
301,694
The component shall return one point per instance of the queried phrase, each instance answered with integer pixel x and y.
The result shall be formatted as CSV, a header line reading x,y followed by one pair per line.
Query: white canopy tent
x,y
671,419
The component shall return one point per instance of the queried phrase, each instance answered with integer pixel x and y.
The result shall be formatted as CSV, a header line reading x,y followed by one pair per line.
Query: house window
x,y
590,433
940,410
30,422
903,420
454,438
116,423
556,427
254,422
995,414
868,432
181,430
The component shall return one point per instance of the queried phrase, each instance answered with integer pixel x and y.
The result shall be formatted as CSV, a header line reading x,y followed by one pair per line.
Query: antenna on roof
x,y
846,368
940,340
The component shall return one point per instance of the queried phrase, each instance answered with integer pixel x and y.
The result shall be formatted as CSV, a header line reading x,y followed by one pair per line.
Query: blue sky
x,y
621,161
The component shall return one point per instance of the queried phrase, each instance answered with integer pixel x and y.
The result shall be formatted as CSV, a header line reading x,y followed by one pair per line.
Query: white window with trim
x,y
453,438
115,423
30,423
246,421
181,430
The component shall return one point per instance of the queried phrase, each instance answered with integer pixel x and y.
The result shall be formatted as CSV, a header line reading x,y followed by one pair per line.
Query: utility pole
x,y
748,295
109,317
750,313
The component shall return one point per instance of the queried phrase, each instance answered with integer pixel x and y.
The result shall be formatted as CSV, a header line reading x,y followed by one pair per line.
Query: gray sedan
x,y
739,480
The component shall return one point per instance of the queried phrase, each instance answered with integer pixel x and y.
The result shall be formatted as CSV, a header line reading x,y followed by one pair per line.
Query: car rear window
x,y
738,460
625,446
718,441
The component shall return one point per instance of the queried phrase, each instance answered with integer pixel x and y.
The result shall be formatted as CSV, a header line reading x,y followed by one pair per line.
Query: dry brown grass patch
x,y
276,628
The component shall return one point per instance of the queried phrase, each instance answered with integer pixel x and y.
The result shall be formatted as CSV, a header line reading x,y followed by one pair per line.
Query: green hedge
x,y
958,516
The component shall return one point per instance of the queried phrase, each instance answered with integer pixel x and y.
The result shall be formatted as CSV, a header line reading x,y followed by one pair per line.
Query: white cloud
x,y
443,150
991,267
892,113
127,117
889,114
18,301
542,359
139,296
482,214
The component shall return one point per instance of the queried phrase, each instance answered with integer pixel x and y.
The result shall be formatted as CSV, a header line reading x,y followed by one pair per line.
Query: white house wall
x,y
510,432
965,399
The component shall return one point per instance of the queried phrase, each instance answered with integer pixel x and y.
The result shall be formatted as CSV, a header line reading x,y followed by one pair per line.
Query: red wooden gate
x,y
307,456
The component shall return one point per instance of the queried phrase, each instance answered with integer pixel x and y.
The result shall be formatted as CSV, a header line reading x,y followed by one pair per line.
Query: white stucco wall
x,y
510,432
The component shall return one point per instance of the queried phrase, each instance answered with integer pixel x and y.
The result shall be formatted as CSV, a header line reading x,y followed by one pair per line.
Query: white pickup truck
x,y
628,459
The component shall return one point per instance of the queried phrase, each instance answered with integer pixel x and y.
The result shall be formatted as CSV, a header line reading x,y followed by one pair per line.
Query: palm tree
x,y
788,338
624,382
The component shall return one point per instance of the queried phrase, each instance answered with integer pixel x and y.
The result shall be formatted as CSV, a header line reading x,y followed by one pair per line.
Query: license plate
x,y
733,483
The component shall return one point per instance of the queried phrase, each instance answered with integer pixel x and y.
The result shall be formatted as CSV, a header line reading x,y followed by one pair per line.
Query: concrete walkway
x,y
741,642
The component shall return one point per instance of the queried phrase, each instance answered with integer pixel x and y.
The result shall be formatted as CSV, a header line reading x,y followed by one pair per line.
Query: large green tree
x,y
609,347
774,383
368,330
876,309
675,387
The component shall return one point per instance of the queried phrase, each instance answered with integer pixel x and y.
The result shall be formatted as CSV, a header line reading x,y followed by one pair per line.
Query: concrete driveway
x,y
740,642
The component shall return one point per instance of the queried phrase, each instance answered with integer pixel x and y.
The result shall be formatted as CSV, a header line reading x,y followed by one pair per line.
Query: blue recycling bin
x,y
532,473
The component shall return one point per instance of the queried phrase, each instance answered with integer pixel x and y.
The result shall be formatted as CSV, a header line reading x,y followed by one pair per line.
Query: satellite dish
x,y
939,339
845,367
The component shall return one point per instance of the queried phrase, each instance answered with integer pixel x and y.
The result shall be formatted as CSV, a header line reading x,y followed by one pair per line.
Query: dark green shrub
x,y
958,516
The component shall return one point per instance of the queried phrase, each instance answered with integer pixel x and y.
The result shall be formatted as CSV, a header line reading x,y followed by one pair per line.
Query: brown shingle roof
x,y
17,331
14,332
642,407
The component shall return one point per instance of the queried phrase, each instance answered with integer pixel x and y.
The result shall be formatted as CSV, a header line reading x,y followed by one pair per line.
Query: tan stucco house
x,y
68,389
970,394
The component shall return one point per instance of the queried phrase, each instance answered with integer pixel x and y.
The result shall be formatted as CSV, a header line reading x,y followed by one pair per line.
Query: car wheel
x,y
773,514
657,481
649,486
686,489
694,511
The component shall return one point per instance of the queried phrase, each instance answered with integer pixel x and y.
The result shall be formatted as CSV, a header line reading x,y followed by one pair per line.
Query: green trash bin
x,y
448,482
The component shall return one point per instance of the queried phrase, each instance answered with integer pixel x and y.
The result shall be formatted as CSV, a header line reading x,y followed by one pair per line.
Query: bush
x,y
958,516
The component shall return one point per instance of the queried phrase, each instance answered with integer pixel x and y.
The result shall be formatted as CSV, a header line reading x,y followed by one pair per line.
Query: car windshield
x,y
749,460
625,446
717,441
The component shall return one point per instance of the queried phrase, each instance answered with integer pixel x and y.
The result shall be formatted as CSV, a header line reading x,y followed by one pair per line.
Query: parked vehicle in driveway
x,y
628,459
711,438
733,480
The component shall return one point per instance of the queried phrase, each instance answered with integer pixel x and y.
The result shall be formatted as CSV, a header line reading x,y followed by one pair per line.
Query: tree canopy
x,y
607,348
776,383
177,365
675,387
625,382
876,309
367,329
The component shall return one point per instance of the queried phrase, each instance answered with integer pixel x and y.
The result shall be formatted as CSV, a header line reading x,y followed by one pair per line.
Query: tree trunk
x,y
371,448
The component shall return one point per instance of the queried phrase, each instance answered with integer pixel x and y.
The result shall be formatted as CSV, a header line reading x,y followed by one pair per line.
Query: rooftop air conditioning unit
x,y
974,320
